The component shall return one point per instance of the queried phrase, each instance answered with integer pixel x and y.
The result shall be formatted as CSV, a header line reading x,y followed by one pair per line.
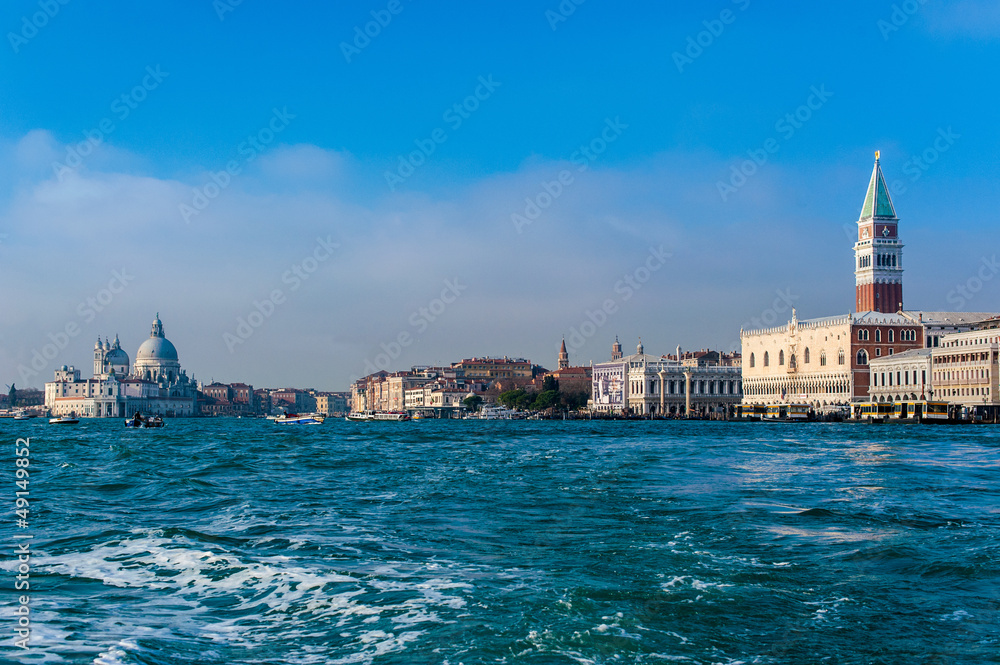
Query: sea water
x,y
241,541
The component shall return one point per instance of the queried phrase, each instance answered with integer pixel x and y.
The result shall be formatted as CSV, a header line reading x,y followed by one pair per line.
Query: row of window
x,y
791,358
960,375
964,358
904,335
719,387
773,389
902,379
970,342
881,260
964,392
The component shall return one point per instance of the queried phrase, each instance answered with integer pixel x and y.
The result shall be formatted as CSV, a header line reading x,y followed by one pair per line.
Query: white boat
x,y
493,412
64,420
368,416
299,419
22,415
395,416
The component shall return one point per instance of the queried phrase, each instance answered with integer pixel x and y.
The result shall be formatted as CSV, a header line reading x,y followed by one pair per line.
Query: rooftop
x,y
878,203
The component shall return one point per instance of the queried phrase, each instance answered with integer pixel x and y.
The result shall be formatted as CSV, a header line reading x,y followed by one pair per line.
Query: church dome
x,y
156,348
117,357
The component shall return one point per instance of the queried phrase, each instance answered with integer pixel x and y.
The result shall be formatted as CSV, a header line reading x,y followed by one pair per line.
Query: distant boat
x,y
297,419
395,416
22,415
145,423
368,416
493,412
64,420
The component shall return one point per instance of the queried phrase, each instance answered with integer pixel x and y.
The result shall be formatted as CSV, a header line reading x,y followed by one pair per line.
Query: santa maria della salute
x,y
154,384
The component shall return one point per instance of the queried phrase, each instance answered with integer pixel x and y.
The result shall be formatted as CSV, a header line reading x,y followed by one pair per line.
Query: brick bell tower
x,y
878,254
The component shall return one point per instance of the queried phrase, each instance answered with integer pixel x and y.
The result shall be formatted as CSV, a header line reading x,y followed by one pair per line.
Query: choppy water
x,y
238,541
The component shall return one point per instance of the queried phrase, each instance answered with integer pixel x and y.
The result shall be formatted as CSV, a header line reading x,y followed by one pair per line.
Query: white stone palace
x,y
155,385
641,384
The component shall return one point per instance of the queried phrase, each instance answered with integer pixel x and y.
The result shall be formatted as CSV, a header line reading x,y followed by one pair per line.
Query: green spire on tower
x,y
878,203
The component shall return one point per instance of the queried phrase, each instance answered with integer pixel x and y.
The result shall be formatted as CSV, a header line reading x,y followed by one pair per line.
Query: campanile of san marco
x,y
878,254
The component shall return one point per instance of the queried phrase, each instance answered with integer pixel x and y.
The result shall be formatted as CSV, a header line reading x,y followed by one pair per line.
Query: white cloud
x,y
523,290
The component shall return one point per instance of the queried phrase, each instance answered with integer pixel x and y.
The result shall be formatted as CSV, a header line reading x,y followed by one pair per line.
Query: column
x,y
687,394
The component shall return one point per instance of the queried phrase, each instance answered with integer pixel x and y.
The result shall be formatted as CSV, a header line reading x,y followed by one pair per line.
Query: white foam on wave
x,y
265,598
825,609
115,654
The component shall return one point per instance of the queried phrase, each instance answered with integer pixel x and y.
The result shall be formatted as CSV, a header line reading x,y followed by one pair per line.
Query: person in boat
x,y
137,420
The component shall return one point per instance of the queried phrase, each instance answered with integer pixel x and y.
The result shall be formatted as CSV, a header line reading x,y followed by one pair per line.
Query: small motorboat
x,y
140,422
299,419
22,415
64,420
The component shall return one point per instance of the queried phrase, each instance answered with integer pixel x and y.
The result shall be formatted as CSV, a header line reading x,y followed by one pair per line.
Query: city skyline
x,y
295,200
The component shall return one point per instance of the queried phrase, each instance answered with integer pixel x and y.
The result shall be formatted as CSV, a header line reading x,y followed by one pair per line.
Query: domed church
x,y
157,357
156,383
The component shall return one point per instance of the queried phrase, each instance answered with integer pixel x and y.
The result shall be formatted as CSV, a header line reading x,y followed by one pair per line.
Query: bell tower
x,y
563,356
878,254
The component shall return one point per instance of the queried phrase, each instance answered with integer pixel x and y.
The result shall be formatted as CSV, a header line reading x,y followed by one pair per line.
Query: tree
x,y
472,402
574,401
550,383
546,399
509,398
12,396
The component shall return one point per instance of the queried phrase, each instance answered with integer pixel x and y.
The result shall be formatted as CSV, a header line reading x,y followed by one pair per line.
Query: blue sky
x,y
670,99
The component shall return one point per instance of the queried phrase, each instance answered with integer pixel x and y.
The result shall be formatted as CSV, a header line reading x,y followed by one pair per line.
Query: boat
x,y
64,420
140,422
494,412
395,416
368,416
787,413
299,419
23,415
